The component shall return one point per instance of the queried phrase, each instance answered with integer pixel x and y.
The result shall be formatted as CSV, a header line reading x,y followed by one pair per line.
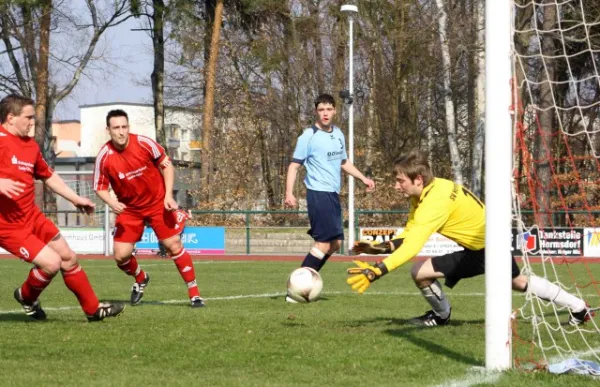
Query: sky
x,y
123,77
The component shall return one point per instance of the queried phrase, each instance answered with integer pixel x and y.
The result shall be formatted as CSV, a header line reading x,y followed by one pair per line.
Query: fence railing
x,y
245,226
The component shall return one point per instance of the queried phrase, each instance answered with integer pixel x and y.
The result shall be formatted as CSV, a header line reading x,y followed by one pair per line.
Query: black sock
x,y
325,258
312,262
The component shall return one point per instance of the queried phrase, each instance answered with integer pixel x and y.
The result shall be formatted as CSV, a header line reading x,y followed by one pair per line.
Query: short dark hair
x,y
13,104
414,163
115,113
326,99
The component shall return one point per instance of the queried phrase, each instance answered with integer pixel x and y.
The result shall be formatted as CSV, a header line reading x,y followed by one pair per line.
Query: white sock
x,y
437,299
546,290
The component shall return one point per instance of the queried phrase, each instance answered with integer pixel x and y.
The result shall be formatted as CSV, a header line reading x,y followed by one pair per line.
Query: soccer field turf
x,y
247,335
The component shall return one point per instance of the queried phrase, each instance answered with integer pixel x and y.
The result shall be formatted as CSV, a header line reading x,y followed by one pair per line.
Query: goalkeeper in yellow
x,y
439,205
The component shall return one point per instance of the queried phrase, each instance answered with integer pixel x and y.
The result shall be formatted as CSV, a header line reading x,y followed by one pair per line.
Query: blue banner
x,y
196,240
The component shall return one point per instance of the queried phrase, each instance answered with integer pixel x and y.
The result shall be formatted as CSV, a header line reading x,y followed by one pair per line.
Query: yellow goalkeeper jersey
x,y
446,208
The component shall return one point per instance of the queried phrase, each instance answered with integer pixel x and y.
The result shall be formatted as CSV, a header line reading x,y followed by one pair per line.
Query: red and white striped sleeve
x,y
101,181
155,150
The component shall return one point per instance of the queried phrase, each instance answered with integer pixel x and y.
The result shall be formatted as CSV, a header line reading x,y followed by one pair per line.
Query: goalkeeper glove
x,y
368,247
361,277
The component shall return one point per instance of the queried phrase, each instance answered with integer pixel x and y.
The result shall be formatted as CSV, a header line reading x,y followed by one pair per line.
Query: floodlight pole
x,y
498,174
350,11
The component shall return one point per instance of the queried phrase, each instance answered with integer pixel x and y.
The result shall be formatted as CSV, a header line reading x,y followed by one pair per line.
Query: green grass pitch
x,y
247,335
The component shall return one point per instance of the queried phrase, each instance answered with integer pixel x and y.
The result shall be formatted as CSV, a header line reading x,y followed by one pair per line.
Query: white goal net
x,y
556,113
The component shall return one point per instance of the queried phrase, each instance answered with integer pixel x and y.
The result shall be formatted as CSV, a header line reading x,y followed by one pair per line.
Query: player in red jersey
x,y
142,176
24,230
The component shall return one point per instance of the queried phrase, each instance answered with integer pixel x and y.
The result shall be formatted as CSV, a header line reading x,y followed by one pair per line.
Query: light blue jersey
x,y
322,154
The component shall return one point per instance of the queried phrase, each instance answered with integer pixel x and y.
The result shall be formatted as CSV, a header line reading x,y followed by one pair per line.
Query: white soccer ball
x,y
304,285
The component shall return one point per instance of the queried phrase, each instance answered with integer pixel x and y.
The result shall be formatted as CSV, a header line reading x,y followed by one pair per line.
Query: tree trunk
x,y
158,73
479,113
43,105
318,44
41,81
339,55
209,98
29,49
448,97
266,169
544,139
50,206
429,120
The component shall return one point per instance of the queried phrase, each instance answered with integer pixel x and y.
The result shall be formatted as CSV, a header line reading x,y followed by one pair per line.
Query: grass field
x,y
247,335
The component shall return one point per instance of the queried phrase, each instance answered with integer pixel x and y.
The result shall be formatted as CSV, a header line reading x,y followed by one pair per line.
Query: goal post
x,y
498,171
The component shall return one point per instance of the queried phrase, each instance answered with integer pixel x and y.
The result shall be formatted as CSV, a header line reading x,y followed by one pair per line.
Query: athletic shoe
x,y
579,318
137,290
34,310
197,302
107,309
430,319
290,300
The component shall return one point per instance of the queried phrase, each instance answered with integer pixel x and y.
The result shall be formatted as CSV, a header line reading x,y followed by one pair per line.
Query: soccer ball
x,y
304,285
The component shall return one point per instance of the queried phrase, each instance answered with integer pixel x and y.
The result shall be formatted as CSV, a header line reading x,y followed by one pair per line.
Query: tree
x,y
209,99
29,74
155,13
448,95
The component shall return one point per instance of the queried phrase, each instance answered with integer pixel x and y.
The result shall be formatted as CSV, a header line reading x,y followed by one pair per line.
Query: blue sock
x,y
312,262
322,263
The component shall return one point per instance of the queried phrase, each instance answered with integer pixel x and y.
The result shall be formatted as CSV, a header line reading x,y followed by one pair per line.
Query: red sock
x,y
131,267
36,282
77,282
184,264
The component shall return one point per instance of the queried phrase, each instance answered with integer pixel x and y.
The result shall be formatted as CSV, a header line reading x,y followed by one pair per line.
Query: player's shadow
x,y
282,298
157,302
126,302
431,346
402,321
17,317
410,333
145,302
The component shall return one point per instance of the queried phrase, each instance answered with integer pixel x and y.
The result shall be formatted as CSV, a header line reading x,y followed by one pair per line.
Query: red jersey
x,y
22,161
133,173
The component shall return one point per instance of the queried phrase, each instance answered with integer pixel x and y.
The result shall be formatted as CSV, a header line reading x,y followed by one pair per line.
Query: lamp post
x,y
350,11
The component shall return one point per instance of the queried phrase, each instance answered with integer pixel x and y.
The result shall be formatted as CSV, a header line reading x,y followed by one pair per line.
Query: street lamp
x,y
350,10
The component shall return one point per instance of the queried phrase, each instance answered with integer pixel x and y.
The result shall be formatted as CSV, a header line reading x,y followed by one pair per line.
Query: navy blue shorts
x,y
325,215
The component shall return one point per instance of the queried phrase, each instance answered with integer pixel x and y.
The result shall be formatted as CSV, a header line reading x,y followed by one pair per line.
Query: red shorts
x,y
129,225
28,240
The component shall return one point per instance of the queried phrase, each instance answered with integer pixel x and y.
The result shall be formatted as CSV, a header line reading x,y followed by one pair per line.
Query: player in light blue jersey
x,y
321,149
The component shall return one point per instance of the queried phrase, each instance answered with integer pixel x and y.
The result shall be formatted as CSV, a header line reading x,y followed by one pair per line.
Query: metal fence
x,y
270,232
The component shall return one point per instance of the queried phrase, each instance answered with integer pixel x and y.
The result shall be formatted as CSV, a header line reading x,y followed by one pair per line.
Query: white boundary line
x,y
475,376
263,295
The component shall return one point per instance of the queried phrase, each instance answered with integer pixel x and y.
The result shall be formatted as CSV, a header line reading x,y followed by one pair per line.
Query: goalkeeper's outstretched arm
x,y
374,248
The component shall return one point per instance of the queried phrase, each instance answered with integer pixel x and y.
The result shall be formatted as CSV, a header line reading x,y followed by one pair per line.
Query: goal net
x,y
62,212
556,169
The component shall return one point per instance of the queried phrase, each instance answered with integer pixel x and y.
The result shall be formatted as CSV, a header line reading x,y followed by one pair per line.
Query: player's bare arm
x,y
168,173
58,185
116,206
290,181
11,188
350,169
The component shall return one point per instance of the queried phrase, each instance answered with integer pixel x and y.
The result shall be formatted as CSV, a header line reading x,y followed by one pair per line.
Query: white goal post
x,y
498,174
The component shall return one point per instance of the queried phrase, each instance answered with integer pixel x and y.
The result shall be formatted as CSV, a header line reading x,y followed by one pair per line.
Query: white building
x,y
182,127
